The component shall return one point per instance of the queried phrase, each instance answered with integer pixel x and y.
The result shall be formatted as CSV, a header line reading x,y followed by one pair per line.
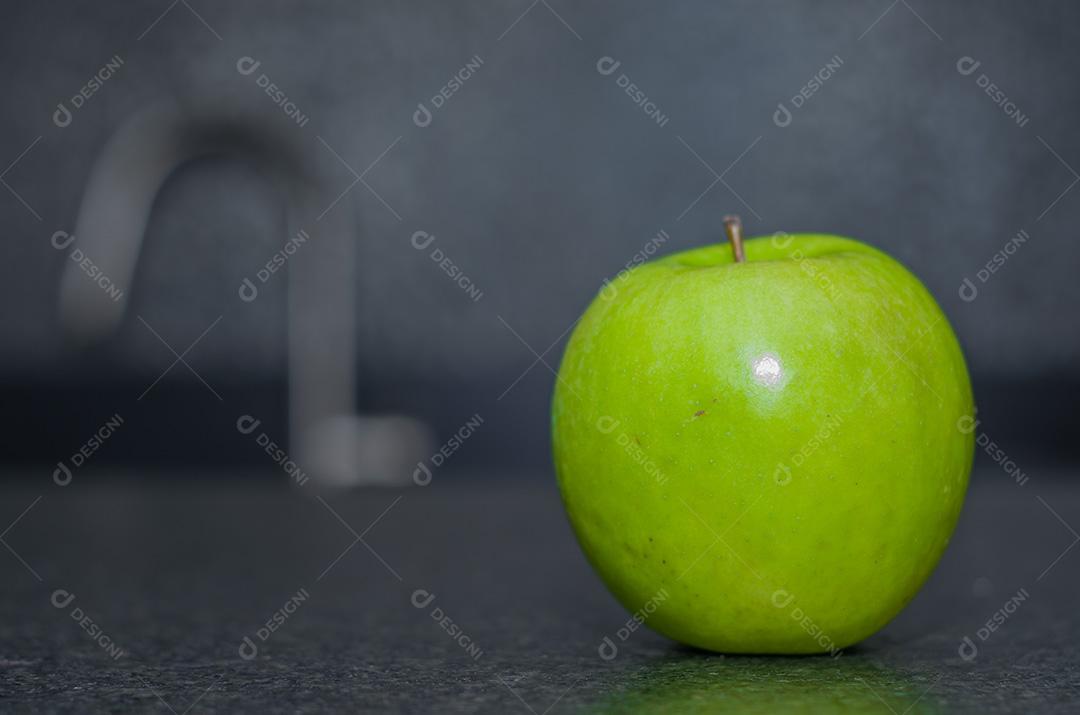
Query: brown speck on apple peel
x,y
637,440
714,399
699,413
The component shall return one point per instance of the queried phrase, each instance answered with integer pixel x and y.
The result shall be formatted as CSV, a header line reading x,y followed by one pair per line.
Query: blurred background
x,y
368,227
256,243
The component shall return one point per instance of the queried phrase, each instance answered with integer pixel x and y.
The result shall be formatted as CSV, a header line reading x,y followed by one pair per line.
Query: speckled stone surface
x,y
178,577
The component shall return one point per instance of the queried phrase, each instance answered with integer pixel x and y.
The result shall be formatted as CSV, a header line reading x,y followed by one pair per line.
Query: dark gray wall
x,y
540,177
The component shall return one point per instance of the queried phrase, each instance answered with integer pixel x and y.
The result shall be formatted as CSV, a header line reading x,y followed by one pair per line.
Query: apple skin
x,y
764,457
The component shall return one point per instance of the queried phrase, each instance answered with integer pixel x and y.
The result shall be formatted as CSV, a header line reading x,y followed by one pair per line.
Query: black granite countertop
x,y
139,599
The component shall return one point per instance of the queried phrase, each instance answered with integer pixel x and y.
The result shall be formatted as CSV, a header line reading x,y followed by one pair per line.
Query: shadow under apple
x,y
692,681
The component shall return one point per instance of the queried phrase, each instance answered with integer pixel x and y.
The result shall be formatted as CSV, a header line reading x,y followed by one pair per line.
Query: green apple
x,y
763,456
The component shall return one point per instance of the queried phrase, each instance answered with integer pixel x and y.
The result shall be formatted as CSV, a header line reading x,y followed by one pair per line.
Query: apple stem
x,y
733,228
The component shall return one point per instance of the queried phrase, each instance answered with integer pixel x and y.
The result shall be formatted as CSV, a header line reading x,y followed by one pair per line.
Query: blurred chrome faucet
x,y
327,438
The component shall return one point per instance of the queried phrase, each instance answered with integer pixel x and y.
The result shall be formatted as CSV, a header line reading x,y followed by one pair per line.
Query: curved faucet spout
x,y
127,178
327,437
